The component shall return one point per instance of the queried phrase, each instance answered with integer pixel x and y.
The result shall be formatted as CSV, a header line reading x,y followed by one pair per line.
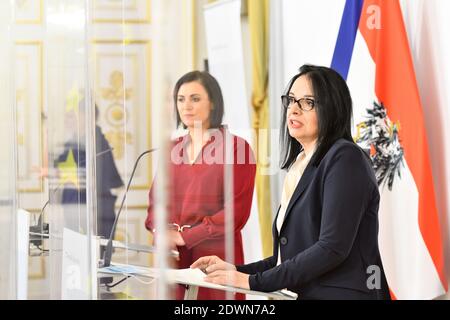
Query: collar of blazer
x,y
308,174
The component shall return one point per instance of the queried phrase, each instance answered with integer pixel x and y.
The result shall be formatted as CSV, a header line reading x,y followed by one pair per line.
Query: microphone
x,y
107,255
41,230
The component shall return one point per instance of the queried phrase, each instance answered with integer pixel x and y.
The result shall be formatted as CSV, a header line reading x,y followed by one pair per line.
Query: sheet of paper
x,y
78,270
187,275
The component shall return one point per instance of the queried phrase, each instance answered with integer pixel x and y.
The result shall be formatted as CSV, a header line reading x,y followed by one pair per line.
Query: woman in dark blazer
x,y
326,229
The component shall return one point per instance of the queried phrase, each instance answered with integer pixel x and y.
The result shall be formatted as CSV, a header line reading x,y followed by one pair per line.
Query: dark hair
x,y
214,93
334,113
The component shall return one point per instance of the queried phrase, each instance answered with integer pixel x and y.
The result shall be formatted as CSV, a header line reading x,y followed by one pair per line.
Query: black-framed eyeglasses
x,y
305,104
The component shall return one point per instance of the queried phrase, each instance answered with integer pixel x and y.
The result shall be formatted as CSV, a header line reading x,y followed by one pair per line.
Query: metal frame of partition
x,y
8,159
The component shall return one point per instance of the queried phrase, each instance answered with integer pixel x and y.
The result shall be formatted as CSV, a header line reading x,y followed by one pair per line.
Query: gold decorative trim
x,y
133,207
133,6
147,44
194,34
39,44
146,20
38,275
39,20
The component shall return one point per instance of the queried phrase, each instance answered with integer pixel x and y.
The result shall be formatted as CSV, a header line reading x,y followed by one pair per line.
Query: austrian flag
x,y
372,53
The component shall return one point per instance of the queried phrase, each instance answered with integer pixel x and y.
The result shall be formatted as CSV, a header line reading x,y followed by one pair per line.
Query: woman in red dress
x,y
196,170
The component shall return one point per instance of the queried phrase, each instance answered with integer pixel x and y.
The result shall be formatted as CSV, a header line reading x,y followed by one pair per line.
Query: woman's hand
x,y
41,171
174,240
176,237
231,278
221,272
209,264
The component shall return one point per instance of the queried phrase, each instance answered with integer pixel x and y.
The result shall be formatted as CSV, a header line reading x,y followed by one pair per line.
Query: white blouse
x,y
291,180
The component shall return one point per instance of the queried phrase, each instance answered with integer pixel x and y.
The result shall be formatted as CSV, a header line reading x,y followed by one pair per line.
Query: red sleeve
x,y
244,181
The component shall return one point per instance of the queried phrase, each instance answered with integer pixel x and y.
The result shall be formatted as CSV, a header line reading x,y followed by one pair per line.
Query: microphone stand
x,y
41,230
109,246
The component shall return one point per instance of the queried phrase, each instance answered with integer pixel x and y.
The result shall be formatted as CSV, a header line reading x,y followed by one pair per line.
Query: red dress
x,y
196,198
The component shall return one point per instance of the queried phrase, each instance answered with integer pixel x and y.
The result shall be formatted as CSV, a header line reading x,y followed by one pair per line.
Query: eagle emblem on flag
x,y
380,134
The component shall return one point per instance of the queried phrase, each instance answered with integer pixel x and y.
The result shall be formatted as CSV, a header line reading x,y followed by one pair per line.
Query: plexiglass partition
x,y
89,120
8,159
71,152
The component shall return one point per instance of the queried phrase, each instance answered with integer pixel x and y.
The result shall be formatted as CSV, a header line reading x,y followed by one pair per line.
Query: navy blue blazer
x,y
329,237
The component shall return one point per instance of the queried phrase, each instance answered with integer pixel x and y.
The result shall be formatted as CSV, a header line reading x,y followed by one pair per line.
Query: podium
x,y
191,278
